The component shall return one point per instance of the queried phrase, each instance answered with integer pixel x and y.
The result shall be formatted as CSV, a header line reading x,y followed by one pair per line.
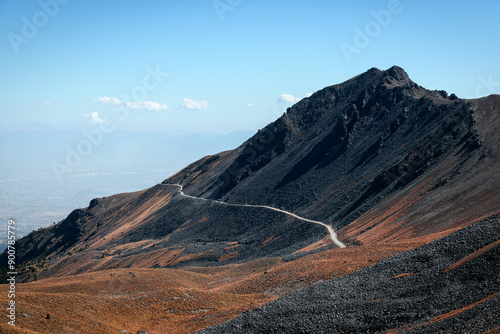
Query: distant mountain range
x,y
379,158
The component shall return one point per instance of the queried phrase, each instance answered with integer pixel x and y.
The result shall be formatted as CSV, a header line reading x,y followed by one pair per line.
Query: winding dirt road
x,y
330,230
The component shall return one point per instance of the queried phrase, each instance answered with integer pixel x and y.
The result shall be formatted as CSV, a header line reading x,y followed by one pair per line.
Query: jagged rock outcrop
x,y
368,142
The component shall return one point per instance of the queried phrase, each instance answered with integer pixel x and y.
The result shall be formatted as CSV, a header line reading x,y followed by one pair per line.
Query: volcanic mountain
x,y
375,156
386,163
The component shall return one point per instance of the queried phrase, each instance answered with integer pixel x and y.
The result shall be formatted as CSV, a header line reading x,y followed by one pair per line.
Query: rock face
x,y
378,157
448,286
373,147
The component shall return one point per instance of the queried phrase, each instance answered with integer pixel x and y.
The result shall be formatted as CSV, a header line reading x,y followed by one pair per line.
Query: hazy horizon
x,y
35,195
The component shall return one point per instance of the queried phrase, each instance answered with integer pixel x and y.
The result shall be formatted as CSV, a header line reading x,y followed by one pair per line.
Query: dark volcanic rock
x,y
353,146
420,291
194,231
378,157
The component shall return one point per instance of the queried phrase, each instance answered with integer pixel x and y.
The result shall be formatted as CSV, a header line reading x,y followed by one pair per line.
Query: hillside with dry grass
x,y
388,164
450,285
176,300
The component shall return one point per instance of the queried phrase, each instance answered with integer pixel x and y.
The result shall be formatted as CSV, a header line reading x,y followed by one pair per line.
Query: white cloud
x,y
193,104
93,118
135,105
110,101
48,102
250,105
309,94
288,98
146,105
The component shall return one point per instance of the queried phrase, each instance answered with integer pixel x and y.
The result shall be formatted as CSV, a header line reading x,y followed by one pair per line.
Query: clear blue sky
x,y
227,66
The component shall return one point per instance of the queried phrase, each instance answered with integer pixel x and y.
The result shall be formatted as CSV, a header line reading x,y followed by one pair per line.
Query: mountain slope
x,y
377,150
160,228
388,164
377,157
448,286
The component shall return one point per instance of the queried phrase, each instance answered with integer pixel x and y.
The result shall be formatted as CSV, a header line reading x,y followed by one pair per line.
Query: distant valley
x,y
35,196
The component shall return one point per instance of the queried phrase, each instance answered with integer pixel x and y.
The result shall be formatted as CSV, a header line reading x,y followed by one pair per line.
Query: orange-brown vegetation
x,y
188,257
286,277
123,223
270,239
326,241
403,275
162,301
227,257
493,331
402,216
444,316
176,300
472,256
232,245
188,224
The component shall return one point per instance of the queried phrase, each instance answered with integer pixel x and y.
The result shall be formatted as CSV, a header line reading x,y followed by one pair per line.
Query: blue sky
x,y
232,64
160,75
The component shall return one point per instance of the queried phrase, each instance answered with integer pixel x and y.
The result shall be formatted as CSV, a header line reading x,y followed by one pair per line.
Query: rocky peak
x,y
398,74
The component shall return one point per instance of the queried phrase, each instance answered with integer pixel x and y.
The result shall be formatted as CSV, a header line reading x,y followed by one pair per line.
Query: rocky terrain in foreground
x,y
450,285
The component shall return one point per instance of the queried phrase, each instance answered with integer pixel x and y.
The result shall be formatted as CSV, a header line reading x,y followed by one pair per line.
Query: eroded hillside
x,y
378,157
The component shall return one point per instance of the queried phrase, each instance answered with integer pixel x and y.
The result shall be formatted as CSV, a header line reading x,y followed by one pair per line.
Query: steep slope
x,y
160,228
370,155
448,286
378,158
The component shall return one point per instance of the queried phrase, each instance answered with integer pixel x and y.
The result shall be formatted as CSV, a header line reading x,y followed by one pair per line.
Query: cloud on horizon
x,y
135,105
109,101
93,118
146,105
191,104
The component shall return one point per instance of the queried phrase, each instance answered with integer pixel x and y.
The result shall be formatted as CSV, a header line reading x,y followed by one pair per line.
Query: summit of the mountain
x,y
377,162
352,154
377,157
